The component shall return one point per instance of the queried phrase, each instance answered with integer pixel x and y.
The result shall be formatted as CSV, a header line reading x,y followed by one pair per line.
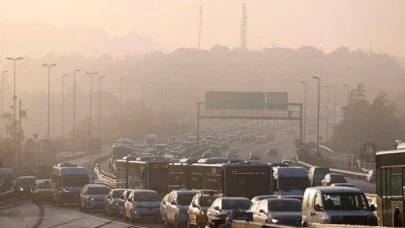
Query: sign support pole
x,y
301,128
198,124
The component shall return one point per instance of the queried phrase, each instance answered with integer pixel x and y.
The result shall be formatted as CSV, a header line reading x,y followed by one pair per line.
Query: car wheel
x,y
167,224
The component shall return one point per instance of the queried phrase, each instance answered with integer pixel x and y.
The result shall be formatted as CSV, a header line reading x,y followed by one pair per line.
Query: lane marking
x,y
41,216
70,221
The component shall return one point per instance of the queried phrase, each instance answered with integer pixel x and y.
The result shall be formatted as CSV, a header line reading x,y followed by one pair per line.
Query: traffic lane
x,y
24,214
363,185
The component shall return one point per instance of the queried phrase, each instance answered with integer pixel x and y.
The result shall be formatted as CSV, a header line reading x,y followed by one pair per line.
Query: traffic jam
x,y
158,183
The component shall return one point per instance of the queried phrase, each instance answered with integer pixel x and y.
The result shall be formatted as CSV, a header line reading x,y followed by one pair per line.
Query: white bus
x,y
290,180
67,183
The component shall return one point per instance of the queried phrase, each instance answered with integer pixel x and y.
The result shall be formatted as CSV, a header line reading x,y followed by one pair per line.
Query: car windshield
x,y
117,193
146,197
98,191
27,181
345,201
284,205
185,199
232,204
206,201
321,171
44,185
293,183
75,181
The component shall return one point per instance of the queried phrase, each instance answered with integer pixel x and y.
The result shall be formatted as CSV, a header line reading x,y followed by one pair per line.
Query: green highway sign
x,y
277,100
235,100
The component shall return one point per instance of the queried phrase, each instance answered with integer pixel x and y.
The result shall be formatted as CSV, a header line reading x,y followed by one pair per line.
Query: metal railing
x,y
7,198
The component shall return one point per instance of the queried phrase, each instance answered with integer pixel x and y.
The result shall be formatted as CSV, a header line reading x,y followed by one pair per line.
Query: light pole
x,y
74,110
167,81
319,106
121,79
99,106
348,92
2,99
334,111
63,98
91,99
305,106
327,116
14,99
49,89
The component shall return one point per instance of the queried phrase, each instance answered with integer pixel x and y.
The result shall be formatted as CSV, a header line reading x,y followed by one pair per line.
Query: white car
x,y
93,196
370,176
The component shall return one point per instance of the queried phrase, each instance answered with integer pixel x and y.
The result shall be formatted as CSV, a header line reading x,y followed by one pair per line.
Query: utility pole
x,y
20,138
305,106
121,79
243,27
334,111
200,27
2,100
327,115
15,101
63,98
91,105
99,106
74,111
49,89
319,108
348,92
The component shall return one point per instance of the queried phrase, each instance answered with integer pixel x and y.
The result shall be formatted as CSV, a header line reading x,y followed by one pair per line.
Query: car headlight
x,y
21,189
274,220
92,199
116,204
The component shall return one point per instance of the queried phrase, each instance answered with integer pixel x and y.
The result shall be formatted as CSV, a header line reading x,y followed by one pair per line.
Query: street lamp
x,y
305,106
327,115
2,99
348,92
14,99
121,79
319,105
334,111
91,100
74,110
49,87
63,98
99,106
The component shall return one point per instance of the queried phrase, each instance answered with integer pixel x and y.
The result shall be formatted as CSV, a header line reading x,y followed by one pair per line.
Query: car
x,y
41,191
244,139
261,140
207,154
142,204
224,146
280,211
92,196
177,207
262,197
272,151
291,131
252,137
254,157
224,206
371,176
270,136
23,186
316,174
332,178
215,149
197,211
111,201
231,154
337,205
298,197
349,185
254,152
233,150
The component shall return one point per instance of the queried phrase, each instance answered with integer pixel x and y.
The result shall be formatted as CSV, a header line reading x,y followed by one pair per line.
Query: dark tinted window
x,y
44,185
321,171
207,201
146,197
185,199
117,193
98,190
233,204
284,205
27,181
75,181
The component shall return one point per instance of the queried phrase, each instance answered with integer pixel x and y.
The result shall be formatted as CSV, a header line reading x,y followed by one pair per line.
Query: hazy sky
x,y
325,24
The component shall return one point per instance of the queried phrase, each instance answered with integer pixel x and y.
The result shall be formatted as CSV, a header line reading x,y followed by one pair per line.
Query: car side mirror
x,y
318,207
262,211
372,207
217,208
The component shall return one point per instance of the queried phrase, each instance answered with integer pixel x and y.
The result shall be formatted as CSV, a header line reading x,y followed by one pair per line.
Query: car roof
x,y
266,196
43,180
27,177
282,199
97,185
186,191
143,190
234,198
336,189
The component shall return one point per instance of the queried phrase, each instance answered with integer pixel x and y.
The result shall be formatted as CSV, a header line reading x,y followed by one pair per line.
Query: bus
x,y
118,151
150,139
290,180
67,182
231,179
390,180
138,174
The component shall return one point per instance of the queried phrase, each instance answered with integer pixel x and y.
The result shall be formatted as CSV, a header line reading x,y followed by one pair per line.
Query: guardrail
x,y
7,198
346,173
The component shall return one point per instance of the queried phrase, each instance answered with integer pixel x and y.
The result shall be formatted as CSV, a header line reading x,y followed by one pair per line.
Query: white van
x,y
67,183
290,180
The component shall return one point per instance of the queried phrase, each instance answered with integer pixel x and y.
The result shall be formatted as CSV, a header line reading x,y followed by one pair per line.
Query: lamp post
x,y
15,100
348,92
334,111
49,90
2,99
74,111
99,106
63,100
327,115
319,105
121,79
305,106
91,105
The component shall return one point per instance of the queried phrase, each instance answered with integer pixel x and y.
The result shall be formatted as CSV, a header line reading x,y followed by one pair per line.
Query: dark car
x,y
280,211
41,191
23,186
